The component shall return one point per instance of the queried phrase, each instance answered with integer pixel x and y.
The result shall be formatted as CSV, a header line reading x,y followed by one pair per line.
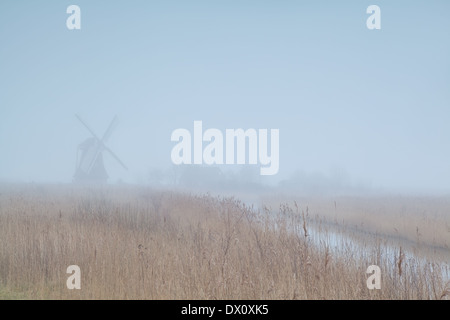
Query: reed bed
x,y
140,243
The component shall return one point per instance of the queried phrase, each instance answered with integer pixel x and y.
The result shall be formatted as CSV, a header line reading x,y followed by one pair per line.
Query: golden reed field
x,y
140,243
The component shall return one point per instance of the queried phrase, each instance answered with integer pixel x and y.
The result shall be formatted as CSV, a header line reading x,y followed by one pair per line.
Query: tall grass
x,y
137,243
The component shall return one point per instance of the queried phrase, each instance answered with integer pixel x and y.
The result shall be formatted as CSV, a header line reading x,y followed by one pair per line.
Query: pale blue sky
x,y
374,104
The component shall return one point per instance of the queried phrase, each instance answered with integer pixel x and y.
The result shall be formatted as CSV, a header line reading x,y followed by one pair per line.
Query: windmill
x,y
90,166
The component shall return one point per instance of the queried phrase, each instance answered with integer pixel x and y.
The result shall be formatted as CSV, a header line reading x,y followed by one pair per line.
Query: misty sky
x,y
372,104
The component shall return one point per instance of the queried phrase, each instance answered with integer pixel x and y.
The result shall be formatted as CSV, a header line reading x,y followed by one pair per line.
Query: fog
x,y
356,109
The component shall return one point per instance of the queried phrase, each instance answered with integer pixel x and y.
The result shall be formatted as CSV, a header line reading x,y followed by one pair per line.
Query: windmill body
x,y
90,167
